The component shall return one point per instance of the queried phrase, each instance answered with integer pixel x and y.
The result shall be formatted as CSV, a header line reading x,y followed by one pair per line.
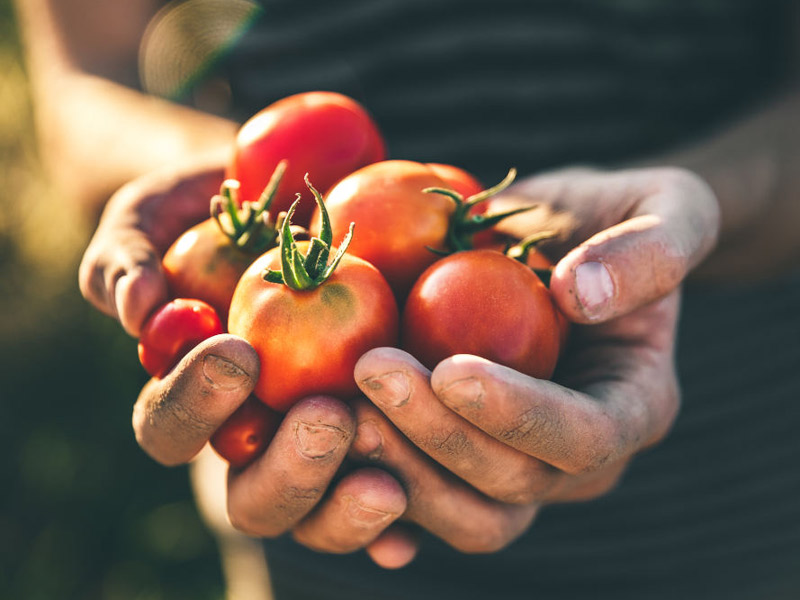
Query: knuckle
x,y
540,422
451,443
525,485
91,280
484,537
244,522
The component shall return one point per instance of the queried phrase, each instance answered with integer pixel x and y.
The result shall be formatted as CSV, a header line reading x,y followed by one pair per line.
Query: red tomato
x,y
401,228
310,319
396,221
174,329
484,303
206,261
323,133
203,264
458,179
246,433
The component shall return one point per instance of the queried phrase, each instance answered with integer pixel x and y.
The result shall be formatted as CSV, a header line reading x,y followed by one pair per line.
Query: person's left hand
x,y
491,445
502,444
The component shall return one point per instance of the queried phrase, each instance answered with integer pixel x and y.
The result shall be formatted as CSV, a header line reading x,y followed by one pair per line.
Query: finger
x,y
361,506
175,416
394,548
438,501
121,275
571,430
400,387
669,229
284,484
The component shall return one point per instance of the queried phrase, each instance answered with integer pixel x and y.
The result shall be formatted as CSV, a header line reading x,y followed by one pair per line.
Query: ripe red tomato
x,y
203,264
396,221
174,329
308,320
309,341
458,179
246,433
323,133
403,228
206,261
484,303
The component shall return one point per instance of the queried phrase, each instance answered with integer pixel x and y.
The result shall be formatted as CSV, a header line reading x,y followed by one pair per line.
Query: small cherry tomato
x,y
174,329
484,303
246,433
323,133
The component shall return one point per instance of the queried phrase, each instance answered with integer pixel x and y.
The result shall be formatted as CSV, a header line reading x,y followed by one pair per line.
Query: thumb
x,y
670,227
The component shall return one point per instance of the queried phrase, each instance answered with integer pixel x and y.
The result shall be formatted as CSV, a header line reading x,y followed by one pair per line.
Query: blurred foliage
x,y
84,514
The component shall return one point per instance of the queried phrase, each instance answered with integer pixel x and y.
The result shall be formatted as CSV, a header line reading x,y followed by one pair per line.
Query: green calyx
x,y
312,270
464,225
522,249
249,228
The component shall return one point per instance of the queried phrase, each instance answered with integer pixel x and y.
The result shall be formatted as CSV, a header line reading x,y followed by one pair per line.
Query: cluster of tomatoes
x,y
414,266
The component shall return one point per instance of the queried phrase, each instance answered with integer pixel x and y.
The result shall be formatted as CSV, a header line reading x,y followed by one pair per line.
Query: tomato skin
x,y
246,433
174,329
457,179
484,303
395,221
203,264
325,134
309,341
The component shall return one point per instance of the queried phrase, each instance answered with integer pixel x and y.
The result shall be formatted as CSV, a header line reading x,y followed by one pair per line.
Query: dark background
x,y
85,514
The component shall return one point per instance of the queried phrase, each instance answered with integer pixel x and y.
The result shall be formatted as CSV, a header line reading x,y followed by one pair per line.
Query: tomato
x,y
484,303
174,329
323,133
458,179
396,221
203,264
206,261
310,321
246,433
402,229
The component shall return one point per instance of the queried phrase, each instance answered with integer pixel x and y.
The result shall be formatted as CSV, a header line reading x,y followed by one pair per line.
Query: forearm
x,y
96,132
754,169
100,134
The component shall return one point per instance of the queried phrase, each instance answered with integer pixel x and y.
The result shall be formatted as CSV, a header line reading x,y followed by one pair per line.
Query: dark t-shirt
x,y
712,512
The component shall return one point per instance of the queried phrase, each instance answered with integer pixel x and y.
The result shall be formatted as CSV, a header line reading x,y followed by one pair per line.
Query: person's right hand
x,y
294,486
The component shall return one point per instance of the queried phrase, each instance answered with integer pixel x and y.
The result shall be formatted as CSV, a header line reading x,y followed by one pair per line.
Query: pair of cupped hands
x,y
471,451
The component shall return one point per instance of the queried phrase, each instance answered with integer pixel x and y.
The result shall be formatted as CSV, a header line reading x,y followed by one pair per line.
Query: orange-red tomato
x,y
458,179
308,341
484,303
204,264
246,433
322,133
396,222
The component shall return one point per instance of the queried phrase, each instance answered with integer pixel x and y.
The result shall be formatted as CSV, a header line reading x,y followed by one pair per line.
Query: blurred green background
x,y
85,514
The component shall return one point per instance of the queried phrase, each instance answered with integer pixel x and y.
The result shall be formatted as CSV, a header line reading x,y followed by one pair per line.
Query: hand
x,y
493,445
292,487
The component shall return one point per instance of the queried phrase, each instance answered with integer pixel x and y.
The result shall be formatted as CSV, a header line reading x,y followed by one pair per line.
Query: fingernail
x,y
369,441
223,373
595,288
365,515
466,394
390,389
317,441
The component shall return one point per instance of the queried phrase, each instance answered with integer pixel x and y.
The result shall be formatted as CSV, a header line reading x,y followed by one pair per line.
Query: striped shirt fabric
x,y
713,511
